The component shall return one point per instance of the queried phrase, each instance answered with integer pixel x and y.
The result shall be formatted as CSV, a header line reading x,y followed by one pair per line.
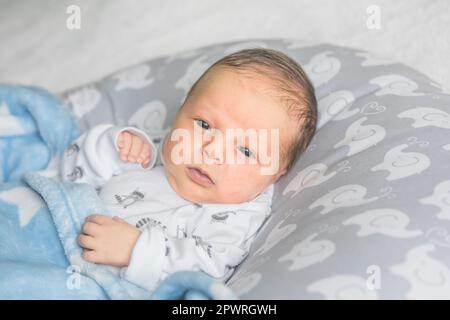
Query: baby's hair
x,y
291,82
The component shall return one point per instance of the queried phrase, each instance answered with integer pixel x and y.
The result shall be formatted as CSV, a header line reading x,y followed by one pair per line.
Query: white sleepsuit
x,y
176,234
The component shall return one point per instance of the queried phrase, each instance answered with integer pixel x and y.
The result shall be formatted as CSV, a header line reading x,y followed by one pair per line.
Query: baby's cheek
x,y
238,189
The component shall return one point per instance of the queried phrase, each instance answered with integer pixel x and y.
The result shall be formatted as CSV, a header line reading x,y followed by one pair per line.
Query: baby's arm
x,y
96,155
219,242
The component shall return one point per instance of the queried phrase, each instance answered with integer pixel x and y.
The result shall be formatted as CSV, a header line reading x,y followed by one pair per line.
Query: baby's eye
x,y
203,124
246,151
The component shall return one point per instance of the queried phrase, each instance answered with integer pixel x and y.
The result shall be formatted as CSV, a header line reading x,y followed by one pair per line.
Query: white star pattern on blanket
x,y
8,123
25,209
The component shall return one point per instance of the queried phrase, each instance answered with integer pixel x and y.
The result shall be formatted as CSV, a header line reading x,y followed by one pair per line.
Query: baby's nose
x,y
213,152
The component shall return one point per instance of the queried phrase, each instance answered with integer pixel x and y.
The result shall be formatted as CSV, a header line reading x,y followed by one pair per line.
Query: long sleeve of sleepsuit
x,y
94,157
214,241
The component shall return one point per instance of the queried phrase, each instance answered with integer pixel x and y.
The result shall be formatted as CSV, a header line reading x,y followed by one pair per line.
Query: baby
x,y
196,204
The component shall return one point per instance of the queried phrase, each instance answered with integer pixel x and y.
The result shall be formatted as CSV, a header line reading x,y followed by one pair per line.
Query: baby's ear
x,y
280,174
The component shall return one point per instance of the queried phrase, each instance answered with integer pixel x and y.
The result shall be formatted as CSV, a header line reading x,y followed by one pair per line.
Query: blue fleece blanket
x,y
40,217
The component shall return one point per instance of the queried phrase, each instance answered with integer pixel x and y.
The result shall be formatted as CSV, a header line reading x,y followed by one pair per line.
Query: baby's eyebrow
x,y
216,118
211,112
205,112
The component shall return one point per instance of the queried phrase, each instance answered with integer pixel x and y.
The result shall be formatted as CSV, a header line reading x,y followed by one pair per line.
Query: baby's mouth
x,y
199,176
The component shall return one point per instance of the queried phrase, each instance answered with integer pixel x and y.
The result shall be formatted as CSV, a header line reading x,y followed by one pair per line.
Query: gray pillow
x,y
365,212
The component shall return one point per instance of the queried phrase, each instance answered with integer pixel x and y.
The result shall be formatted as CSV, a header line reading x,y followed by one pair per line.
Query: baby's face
x,y
236,169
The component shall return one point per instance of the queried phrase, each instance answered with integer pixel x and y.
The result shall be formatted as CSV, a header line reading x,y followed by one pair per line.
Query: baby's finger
x,y
91,256
98,219
144,156
125,150
90,228
86,242
120,140
136,146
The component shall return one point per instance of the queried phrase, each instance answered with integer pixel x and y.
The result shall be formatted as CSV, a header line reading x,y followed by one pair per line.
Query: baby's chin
x,y
186,188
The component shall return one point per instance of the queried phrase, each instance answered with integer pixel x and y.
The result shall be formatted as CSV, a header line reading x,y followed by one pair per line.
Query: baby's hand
x,y
133,148
108,240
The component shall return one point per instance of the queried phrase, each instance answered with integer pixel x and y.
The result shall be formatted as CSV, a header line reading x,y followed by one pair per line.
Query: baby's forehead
x,y
262,85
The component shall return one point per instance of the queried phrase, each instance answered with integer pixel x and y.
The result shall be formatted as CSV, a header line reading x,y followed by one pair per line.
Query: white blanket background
x,y
38,49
